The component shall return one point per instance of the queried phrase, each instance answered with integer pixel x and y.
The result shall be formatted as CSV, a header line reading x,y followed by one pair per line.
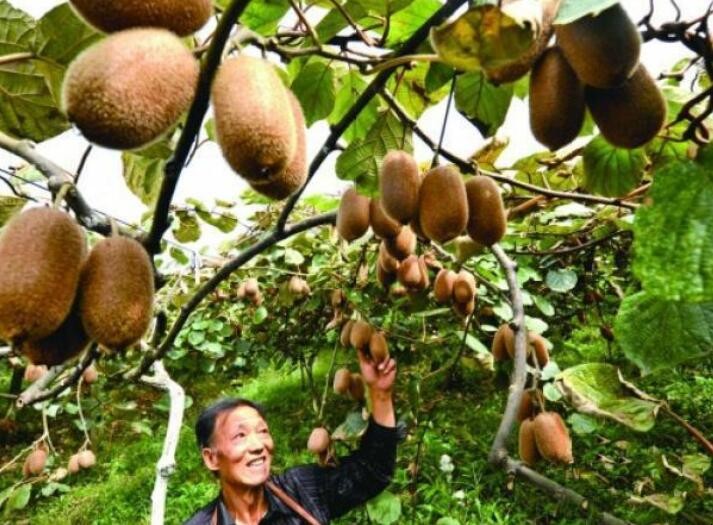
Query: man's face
x,y
242,448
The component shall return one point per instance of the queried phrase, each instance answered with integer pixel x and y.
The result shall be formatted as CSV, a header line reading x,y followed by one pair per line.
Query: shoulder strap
x,y
287,500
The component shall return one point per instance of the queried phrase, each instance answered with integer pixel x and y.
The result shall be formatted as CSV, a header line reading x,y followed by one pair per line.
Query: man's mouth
x,y
257,462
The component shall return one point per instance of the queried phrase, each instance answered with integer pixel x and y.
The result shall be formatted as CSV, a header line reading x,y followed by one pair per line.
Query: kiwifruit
x,y
41,253
90,374
425,281
130,88
353,215
345,334
298,286
116,292
73,464
464,287
443,285
487,221
556,100
552,438
182,17
388,262
240,292
382,225
34,372
527,442
35,462
252,287
378,347
503,343
415,225
337,298
537,349
293,176
399,184
86,459
603,49
357,387
631,115
385,278
342,379
318,441
526,410
464,309
360,335
442,204
409,273
256,133
403,245
60,346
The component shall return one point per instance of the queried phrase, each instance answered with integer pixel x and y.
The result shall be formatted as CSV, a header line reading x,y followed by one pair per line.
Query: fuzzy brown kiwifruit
x,y
556,100
116,292
464,287
387,261
293,176
552,438
464,309
251,287
378,347
403,245
415,225
603,49
631,115
35,462
130,88
385,278
487,221
342,380
318,441
298,286
182,17
256,132
357,389
399,184
442,204
86,459
537,349
41,253
527,444
425,281
68,341
526,410
503,343
360,335
443,285
409,273
353,215
73,464
382,225
337,298
34,372
344,336
90,374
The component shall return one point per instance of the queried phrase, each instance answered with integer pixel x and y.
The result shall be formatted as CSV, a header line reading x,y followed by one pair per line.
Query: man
x,y
236,445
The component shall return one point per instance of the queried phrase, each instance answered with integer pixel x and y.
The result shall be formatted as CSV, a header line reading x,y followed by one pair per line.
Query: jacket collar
x,y
275,507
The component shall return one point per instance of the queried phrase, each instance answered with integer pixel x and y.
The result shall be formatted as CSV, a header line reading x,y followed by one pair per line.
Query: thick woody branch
x,y
175,166
166,465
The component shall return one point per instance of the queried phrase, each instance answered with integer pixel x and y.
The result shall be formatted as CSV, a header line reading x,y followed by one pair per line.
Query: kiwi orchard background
x,y
209,177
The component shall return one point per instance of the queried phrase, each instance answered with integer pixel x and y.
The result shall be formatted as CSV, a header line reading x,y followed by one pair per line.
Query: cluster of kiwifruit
x,y
298,287
130,88
250,289
543,435
348,383
83,459
361,336
595,65
439,207
503,347
54,298
458,289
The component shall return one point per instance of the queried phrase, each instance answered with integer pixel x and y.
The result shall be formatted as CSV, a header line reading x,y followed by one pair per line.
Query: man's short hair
x,y
205,425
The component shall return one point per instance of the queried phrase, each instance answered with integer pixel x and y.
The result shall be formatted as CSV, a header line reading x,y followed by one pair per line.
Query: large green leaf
x,y
384,509
262,17
411,93
221,219
314,87
484,37
17,31
405,22
657,334
383,7
485,104
188,228
335,21
361,160
571,10
143,170
611,171
62,35
674,235
351,86
597,389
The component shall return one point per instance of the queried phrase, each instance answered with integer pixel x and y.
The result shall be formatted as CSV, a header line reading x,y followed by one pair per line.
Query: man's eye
x,y
264,431
239,435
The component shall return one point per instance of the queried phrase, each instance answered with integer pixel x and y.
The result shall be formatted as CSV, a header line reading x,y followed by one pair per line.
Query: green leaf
x,y
404,23
448,521
334,21
224,220
293,257
179,255
314,87
669,503
484,37
351,86
361,160
410,91
260,315
353,427
9,206
597,389
551,393
582,424
62,35
612,171
657,334
143,170
210,131
673,237
571,10
262,17
188,229
483,103
561,280
383,7
20,497
384,509
438,75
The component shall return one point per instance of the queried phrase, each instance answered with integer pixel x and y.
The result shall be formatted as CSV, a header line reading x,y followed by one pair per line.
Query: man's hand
x,y
380,380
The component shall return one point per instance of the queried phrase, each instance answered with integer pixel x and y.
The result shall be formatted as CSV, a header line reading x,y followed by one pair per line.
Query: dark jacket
x,y
325,492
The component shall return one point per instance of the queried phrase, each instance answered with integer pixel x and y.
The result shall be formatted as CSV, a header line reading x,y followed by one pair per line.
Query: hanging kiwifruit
x,y
443,285
378,347
360,335
527,443
357,388
464,287
552,438
68,341
409,273
442,205
403,245
345,334
318,441
503,343
342,379
382,225
353,215
487,221
399,183
389,263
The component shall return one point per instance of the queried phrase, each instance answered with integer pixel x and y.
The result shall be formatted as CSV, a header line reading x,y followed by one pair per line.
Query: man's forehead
x,y
241,415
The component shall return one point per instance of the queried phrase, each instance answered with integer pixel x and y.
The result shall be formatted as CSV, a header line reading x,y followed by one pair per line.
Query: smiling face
x,y
242,446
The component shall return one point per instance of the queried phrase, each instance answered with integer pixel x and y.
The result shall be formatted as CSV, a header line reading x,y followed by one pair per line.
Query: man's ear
x,y
210,458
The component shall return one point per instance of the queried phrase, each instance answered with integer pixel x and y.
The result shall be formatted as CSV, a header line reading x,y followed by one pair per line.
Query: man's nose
x,y
255,443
